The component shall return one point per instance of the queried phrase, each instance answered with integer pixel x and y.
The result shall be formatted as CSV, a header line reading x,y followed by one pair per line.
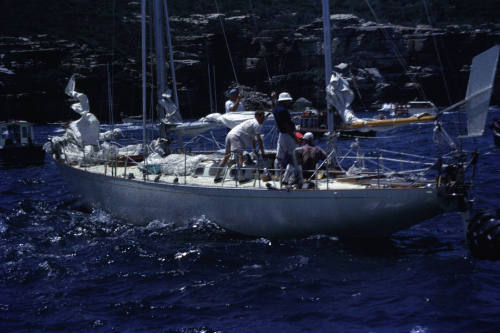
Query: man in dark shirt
x,y
282,115
287,141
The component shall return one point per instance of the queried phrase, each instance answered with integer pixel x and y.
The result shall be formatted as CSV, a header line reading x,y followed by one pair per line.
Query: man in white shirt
x,y
234,102
240,137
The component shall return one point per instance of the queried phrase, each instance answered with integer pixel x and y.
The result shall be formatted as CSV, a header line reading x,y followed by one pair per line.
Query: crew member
x,y
308,156
234,102
239,138
287,141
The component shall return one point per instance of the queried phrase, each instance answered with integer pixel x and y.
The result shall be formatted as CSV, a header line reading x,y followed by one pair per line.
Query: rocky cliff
x,y
384,62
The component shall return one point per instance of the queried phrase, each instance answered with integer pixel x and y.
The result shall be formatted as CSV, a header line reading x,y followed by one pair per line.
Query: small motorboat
x,y
17,146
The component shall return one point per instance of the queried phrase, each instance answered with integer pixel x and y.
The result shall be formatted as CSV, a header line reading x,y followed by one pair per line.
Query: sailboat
x,y
356,202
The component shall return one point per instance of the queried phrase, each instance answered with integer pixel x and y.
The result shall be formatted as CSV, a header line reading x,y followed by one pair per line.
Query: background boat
x,y
17,145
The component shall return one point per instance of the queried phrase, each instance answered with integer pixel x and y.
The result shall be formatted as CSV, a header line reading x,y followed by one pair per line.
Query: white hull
x,y
258,211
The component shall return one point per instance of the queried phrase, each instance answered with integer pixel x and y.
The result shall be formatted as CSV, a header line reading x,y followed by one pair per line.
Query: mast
x,y
327,42
110,99
215,89
210,89
159,52
143,36
171,55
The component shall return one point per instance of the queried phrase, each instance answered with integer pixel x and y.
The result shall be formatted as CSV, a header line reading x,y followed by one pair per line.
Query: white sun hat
x,y
284,96
308,136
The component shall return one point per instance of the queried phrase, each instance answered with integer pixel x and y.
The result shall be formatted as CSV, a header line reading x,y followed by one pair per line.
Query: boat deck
x,y
338,183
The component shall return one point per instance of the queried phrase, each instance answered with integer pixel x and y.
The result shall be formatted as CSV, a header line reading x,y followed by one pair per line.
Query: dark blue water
x,y
64,267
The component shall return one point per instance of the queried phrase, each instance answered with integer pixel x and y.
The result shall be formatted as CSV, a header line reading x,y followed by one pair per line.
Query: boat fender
x,y
483,235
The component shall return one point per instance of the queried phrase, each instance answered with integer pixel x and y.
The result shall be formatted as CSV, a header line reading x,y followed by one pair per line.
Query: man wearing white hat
x,y
287,141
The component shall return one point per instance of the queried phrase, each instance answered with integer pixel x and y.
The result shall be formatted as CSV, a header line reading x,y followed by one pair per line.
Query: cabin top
x,y
421,104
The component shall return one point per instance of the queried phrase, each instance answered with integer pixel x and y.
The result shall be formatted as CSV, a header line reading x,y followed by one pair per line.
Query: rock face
x,y
385,63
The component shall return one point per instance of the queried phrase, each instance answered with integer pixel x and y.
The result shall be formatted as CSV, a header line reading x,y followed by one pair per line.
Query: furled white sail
x,y
170,110
340,96
83,101
192,128
231,119
175,164
110,135
84,131
80,142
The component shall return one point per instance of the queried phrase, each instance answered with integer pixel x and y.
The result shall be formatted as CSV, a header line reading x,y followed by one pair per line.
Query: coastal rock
x,y
384,62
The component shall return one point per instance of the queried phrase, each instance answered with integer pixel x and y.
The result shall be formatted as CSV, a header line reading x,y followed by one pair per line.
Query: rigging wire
x,y
143,65
355,85
254,20
171,56
110,71
371,137
110,98
215,89
212,92
406,154
441,67
210,89
152,57
227,43
395,49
